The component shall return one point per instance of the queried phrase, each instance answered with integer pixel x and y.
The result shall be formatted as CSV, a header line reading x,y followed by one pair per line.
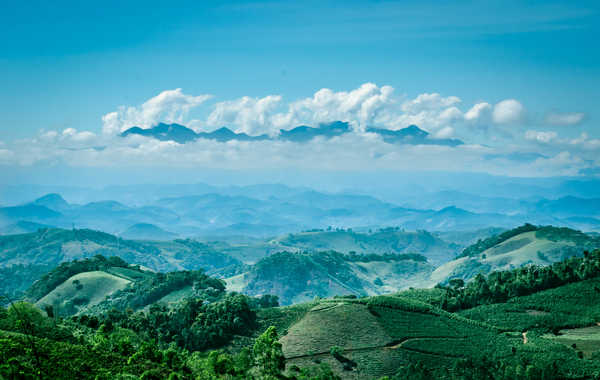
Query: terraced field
x,y
377,335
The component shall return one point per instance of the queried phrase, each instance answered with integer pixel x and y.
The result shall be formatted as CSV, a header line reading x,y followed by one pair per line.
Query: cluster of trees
x,y
501,286
386,257
194,324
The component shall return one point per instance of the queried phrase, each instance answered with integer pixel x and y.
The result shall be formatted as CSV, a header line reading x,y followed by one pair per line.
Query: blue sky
x,y
67,64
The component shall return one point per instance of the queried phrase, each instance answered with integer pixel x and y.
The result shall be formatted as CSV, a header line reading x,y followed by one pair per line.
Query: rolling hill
x,y
99,284
33,254
521,246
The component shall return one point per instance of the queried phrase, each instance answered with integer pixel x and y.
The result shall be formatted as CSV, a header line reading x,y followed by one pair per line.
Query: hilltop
x,y
53,246
380,241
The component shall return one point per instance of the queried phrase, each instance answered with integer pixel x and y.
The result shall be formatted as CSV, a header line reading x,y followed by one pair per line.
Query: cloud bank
x,y
542,152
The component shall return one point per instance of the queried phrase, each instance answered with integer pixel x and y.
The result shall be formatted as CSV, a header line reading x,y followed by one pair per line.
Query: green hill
x,y
302,276
83,290
96,284
515,248
381,241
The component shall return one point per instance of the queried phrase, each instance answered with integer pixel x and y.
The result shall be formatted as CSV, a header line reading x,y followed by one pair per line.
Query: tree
x,y
269,361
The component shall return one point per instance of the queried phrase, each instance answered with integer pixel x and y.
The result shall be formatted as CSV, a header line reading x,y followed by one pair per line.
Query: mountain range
x,y
412,134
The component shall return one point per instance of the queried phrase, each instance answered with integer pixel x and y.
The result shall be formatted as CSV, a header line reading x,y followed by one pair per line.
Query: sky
x,y
517,81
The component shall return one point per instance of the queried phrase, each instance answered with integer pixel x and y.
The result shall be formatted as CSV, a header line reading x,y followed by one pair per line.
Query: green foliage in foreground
x,y
116,353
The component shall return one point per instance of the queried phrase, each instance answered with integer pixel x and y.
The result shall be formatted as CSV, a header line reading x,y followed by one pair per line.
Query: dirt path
x,y
525,337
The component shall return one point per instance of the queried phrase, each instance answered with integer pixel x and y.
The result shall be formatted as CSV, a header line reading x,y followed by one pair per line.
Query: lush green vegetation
x,y
52,246
533,322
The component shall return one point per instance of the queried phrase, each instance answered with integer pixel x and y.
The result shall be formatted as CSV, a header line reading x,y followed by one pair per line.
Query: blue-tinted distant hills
x,y
411,135
269,210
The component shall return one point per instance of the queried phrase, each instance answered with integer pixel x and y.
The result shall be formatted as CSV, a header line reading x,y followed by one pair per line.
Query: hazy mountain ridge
x,y
270,210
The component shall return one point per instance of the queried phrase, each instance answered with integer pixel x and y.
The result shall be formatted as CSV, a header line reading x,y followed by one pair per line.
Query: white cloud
x,y
426,102
508,111
249,115
479,113
171,106
365,106
572,118
541,136
444,133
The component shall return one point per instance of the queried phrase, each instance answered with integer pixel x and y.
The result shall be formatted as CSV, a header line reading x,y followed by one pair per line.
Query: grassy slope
x,y
94,287
573,305
522,249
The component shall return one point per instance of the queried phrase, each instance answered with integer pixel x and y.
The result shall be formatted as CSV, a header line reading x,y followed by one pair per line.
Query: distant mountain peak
x,y
52,201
